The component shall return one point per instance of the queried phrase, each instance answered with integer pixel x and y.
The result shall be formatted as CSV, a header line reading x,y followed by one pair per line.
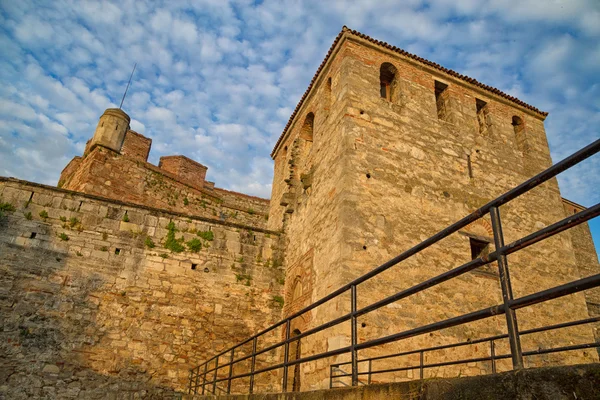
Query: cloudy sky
x,y
216,80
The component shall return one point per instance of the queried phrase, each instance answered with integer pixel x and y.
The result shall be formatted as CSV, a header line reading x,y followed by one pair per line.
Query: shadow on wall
x,y
50,330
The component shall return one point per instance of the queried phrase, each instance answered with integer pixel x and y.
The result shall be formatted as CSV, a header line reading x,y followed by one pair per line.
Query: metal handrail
x,y
508,306
490,339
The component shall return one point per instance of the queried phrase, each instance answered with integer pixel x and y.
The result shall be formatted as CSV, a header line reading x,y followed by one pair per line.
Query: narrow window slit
x,y
470,167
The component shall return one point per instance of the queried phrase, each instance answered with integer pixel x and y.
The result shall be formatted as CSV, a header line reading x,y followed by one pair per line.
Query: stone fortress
x,y
126,275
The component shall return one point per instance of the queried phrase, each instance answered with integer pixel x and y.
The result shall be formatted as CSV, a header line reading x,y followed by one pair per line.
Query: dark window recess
x,y
206,270
194,266
33,235
440,99
387,80
117,251
479,248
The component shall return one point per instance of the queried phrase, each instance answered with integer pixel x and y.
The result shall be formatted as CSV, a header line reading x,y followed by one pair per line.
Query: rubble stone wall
x,y
93,304
381,176
112,175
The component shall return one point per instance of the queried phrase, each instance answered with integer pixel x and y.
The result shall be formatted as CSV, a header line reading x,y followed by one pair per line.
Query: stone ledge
x,y
552,383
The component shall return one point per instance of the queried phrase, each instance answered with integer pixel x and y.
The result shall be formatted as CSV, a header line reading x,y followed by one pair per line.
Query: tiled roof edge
x,y
406,54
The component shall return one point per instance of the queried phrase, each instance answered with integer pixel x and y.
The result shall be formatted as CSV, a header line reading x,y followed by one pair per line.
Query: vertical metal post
x,y
253,364
214,390
507,295
493,356
197,379
331,376
230,371
420,365
286,354
204,376
369,379
353,325
191,376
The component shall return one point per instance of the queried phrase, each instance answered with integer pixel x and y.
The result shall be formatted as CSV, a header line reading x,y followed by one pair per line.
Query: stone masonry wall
x,y
108,174
587,261
381,176
93,304
411,174
136,146
185,169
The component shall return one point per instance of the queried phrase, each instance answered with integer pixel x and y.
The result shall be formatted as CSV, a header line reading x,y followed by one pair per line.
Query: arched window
x,y
387,80
519,129
306,132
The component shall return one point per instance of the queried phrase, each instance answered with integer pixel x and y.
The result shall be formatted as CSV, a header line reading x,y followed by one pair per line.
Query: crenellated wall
x,y
95,302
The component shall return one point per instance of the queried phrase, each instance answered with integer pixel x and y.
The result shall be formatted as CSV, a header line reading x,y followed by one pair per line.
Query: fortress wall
x,y
108,174
587,260
413,174
88,308
387,175
136,146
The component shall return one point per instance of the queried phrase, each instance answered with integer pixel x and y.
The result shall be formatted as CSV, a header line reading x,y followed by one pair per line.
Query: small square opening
x,y
117,251
33,235
194,266
479,248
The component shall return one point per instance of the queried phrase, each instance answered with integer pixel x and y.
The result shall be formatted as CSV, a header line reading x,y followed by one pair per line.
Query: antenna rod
x,y
128,83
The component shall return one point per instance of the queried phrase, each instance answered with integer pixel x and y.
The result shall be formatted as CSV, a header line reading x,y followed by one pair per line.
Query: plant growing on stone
x,y
164,255
243,277
175,245
125,217
73,221
63,218
103,248
185,201
279,300
63,236
28,215
206,235
194,245
251,211
79,254
149,243
44,214
7,207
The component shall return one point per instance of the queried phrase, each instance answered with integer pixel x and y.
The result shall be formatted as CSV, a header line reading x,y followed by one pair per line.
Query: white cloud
x,y
217,79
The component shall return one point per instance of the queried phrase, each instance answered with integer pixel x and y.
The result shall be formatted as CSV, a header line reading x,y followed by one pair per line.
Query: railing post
x,y
253,364
215,375
191,376
197,379
204,376
507,295
286,351
230,371
493,356
369,378
353,324
331,376
421,365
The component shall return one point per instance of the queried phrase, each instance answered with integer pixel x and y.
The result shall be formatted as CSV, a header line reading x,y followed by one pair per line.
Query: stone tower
x,y
384,150
111,130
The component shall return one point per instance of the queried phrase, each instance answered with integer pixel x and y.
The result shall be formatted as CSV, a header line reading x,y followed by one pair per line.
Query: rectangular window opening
x,y
194,266
117,251
33,235
440,99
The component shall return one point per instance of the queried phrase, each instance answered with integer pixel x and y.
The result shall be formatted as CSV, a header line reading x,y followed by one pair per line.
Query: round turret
x,y
111,129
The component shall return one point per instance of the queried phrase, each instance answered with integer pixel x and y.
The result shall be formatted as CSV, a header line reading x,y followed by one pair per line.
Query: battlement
x,y
116,166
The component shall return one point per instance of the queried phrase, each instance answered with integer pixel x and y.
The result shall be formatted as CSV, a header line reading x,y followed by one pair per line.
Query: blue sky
x,y
217,80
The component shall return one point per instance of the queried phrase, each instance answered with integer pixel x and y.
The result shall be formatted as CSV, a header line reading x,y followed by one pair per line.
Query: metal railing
x,y
335,369
205,380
